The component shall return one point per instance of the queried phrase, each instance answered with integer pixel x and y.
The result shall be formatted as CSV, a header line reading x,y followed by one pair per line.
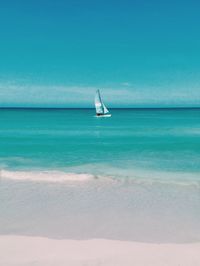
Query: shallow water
x,y
134,176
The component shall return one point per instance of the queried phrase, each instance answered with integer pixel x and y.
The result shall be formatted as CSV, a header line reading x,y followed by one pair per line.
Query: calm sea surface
x,y
68,174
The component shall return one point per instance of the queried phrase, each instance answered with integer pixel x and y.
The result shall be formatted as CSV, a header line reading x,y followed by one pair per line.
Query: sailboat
x,y
101,110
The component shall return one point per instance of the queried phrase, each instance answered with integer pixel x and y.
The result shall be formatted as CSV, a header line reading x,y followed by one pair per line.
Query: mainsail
x,y
100,106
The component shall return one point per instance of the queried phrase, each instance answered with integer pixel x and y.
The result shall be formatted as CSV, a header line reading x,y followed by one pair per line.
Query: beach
x,y
99,133
24,250
78,190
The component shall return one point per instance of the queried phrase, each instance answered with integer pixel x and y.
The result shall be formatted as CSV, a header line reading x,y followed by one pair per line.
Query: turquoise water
x,y
164,140
136,175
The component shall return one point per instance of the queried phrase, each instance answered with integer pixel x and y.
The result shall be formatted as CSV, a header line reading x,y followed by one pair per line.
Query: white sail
x,y
100,106
105,109
98,103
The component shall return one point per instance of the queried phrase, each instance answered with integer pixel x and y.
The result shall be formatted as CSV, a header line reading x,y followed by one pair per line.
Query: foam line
x,y
45,176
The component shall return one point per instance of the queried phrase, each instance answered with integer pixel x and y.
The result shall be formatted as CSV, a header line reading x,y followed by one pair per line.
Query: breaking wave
x,y
45,176
56,176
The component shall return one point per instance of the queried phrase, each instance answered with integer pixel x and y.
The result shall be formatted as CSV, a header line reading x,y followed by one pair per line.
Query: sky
x,y
139,53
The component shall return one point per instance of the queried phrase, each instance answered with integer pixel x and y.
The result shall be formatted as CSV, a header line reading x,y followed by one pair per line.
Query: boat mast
x,y
100,100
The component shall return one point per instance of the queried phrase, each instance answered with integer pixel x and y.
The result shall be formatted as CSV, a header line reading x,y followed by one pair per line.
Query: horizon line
x,y
111,108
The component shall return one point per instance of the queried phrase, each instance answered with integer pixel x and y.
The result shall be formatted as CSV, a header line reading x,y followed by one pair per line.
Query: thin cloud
x,y
13,94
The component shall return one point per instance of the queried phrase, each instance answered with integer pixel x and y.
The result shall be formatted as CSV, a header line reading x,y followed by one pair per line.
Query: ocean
x,y
65,173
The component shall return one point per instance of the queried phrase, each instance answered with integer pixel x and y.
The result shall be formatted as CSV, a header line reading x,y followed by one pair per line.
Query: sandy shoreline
x,y
38,251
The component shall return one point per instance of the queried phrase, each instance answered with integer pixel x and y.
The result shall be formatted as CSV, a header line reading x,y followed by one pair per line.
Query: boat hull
x,y
106,115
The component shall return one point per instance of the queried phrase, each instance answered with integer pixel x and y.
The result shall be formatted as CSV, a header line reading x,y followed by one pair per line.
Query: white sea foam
x,y
137,178
45,176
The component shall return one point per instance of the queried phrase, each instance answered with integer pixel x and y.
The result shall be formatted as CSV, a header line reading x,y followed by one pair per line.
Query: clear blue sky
x,y
141,53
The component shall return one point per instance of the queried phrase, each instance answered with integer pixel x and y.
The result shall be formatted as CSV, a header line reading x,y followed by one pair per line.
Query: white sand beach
x,y
37,251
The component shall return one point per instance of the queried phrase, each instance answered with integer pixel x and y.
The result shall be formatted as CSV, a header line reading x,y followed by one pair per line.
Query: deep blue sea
x,y
68,174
